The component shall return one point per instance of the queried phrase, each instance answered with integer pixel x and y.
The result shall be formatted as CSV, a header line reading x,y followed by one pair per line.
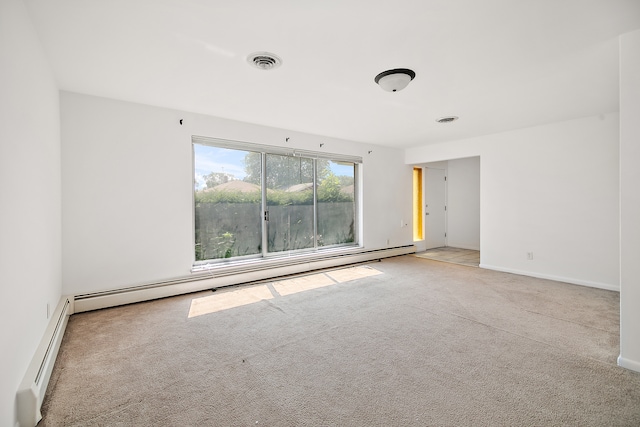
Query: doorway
x,y
451,207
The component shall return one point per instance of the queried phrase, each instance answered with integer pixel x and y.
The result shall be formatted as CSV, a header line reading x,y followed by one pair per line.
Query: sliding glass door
x,y
227,203
250,201
290,203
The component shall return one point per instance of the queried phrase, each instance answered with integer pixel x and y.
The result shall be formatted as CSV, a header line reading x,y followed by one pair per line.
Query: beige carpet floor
x,y
403,342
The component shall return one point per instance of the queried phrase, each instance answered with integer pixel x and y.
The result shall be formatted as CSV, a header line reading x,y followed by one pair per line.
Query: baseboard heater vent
x,y
34,384
226,277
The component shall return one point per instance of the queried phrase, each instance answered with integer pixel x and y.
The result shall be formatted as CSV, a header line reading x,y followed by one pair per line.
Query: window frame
x,y
285,151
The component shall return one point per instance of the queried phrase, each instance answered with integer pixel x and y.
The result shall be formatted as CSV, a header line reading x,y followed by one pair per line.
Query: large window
x,y
252,200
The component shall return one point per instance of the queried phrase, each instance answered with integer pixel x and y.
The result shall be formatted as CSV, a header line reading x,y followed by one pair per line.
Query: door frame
x,y
421,245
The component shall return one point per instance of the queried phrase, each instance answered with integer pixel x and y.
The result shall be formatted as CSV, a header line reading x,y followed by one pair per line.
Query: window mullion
x,y
265,209
315,204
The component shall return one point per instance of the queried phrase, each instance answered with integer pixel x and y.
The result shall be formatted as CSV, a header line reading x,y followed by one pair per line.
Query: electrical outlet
x,y
529,255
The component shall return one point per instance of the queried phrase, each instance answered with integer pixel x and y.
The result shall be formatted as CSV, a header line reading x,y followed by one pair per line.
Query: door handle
x,y
427,213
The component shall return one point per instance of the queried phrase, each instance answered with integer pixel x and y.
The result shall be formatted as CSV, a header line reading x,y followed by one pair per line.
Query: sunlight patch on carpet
x,y
353,273
303,283
228,299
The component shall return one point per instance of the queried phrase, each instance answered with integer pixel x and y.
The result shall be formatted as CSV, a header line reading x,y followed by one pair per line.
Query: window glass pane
x,y
289,202
228,202
336,202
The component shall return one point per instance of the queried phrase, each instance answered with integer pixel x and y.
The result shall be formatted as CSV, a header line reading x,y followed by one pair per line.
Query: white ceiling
x,y
498,64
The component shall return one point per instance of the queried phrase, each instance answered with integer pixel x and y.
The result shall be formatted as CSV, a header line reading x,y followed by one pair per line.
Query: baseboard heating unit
x,y
233,274
34,384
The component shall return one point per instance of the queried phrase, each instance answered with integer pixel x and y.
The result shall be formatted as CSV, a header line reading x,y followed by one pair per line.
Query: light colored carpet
x,y
417,343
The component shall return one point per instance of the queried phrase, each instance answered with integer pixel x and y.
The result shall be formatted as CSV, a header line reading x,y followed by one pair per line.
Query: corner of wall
x,y
30,221
629,201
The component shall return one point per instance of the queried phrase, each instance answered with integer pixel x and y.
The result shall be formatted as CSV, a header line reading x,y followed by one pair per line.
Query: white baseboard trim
x,y
226,277
628,364
571,280
35,381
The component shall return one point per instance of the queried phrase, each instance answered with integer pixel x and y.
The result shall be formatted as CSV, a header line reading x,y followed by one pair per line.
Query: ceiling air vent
x,y
447,119
264,60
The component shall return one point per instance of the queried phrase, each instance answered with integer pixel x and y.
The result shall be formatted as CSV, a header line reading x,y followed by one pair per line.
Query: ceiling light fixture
x,y
264,60
447,119
395,80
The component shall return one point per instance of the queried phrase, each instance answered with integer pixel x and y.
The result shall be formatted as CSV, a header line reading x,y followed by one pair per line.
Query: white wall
x,y
630,201
463,203
551,190
30,231
127,189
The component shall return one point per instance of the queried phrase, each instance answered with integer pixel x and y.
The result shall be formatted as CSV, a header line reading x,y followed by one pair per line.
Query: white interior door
x,y
435,208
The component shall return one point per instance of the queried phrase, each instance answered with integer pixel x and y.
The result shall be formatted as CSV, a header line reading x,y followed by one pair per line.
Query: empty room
x,y
320,213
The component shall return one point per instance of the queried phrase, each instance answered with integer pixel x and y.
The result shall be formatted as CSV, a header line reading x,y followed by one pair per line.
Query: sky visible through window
x,y
214,159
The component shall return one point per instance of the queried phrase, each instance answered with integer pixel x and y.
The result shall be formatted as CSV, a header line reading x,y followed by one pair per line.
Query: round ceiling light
x,y
395,80
447,119
264,60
